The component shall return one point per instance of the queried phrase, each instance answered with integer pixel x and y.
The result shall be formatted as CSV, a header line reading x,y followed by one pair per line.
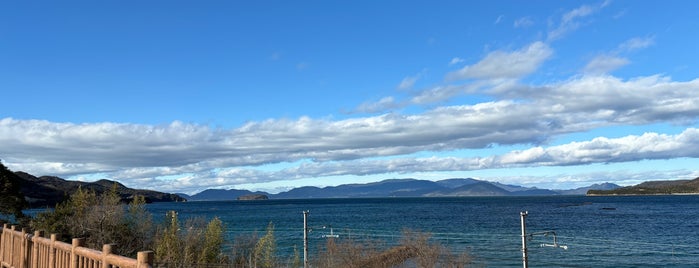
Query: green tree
x,y
167,248
100,219
139,222
213,241
265,249
11,198
176,246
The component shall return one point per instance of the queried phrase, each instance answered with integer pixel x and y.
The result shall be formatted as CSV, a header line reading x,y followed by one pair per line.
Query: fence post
x,y
52,251
145,259
24,249
3,240
35,249
12,245
106,250
74,259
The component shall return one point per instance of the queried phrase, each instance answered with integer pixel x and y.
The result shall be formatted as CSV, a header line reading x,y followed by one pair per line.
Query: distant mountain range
x,y
49,190
653,188
400,188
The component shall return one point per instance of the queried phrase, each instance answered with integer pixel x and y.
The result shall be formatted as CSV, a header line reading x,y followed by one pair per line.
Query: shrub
x,y
416,249
99,220
195,244
265,249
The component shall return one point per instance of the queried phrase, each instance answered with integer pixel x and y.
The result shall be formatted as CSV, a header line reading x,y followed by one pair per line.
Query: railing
x,y
19,249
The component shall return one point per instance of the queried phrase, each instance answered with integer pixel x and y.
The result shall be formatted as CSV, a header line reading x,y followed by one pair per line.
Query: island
x,y
252,197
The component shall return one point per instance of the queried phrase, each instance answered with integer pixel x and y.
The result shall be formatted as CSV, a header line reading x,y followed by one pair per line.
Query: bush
x,y
100,220
197,244
265,249
416,249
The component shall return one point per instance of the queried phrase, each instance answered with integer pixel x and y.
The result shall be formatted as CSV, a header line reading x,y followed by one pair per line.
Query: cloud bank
x,y
506,110
527,115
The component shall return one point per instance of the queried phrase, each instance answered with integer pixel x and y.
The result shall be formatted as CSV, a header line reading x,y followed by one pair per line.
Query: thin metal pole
x,y
525,261
305,239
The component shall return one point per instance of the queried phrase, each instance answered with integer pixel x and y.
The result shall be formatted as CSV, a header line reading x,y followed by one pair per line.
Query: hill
x,y
50,190
386,188
654,188
583,190
400,188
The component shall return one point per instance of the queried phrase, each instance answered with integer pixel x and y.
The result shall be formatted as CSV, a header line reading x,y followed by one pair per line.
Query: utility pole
x,y
525,258
525,261
305,239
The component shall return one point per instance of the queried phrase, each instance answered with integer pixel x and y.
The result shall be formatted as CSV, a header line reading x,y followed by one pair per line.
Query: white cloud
x,y
602,64
438,94
409,81
501,64
636,44
648,146
533,115
384,104
571,20
456,60
499,19
523,22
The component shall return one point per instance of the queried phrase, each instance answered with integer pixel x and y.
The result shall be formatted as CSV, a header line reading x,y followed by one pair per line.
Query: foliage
x,y
213,241
192,245
243,250
11,199
100,220
416,249
654,188
265,249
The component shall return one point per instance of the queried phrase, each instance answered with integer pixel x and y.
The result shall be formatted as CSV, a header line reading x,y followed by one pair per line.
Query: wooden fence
x,y
19,249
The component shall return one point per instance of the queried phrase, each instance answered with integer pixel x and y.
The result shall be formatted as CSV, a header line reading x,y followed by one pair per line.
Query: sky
x,y
183,96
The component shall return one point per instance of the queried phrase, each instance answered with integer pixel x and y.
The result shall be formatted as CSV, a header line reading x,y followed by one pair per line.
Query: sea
x,y
589,231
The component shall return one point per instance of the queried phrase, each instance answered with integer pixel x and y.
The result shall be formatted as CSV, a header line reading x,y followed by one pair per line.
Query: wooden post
x,y
106,250
12,245
2,243
35,249
23,249
145,259
52,251
74,259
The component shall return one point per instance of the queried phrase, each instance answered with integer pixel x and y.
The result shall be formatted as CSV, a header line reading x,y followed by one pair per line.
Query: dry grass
x,y
416,249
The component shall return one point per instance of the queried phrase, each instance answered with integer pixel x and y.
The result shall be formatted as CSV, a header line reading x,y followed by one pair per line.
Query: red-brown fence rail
x,y
19,249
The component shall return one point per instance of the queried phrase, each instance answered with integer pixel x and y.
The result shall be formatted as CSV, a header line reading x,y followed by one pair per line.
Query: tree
x,y
11,198
213,241
265,249
194,244
167,248
100,220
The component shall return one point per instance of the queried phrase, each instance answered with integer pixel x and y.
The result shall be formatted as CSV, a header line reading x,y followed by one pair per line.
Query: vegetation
x,y
100,220
265,249
11,199
192,245
654,188
415,250
104,219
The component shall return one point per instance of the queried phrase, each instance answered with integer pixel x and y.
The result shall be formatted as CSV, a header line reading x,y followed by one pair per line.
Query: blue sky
x,y
181,96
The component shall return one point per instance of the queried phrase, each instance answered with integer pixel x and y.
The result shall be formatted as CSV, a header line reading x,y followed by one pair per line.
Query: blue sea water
x,y
610,231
